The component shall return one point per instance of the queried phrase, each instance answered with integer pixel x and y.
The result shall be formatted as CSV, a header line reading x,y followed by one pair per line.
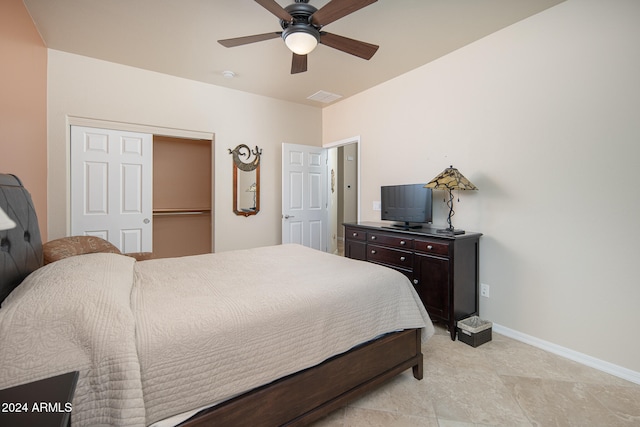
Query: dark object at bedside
x,y
45,403
20,247
443,268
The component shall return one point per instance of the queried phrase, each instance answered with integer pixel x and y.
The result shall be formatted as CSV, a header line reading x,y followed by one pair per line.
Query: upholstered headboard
x,y
20,247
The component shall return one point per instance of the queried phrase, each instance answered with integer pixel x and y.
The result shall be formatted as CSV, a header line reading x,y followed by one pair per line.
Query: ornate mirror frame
x,y
246,179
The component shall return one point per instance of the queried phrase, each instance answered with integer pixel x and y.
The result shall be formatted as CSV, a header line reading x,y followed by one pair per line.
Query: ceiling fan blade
x,y
337,9
239,41
345,44
276,9
298,64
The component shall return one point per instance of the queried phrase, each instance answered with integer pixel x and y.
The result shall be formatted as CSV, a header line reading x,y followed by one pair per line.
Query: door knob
x,y
146,221
289,216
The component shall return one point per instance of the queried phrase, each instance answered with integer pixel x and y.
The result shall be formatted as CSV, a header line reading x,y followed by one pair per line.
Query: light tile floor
x,y
500,383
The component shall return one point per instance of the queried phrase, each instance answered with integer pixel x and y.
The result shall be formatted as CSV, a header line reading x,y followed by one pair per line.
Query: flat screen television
x,y
408,205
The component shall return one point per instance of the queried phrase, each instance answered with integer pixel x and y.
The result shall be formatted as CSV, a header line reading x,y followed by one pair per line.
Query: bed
x,y
278,335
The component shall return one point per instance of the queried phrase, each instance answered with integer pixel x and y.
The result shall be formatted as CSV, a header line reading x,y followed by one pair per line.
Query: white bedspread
x,y
155,338
75,315
256,316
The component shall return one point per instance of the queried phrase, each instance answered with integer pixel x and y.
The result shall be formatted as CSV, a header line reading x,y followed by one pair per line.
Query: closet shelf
x,y
181,211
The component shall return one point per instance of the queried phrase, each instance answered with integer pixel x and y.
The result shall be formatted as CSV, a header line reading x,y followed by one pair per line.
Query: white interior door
x,y
304,196
111,187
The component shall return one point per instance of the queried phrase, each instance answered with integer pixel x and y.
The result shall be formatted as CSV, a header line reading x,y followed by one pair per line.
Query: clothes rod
x,y
180,213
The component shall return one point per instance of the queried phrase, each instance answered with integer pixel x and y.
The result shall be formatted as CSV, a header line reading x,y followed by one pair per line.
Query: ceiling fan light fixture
x,y
301,39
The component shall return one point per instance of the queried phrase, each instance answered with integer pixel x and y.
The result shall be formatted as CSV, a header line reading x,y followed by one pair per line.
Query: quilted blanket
x,y
157,338
246,318
75,315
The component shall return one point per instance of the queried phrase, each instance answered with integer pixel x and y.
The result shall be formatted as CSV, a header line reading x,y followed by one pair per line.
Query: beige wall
x,y
84,87
543,117
23,108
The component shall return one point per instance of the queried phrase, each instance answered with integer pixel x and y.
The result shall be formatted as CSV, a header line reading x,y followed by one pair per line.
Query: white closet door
x,y
111,187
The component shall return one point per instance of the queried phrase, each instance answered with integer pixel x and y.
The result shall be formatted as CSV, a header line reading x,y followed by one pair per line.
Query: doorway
x,y
344,189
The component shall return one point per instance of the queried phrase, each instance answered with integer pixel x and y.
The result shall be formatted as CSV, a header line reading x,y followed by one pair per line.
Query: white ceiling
x,y
179,37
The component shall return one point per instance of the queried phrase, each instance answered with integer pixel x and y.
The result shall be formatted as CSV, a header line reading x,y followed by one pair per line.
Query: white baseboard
x,y
592,362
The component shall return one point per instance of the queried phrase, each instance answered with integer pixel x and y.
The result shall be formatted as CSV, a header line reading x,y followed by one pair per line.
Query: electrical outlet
x,y
484,290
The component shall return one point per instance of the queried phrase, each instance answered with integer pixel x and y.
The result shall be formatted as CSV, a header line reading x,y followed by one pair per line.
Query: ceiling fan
x,y
302,29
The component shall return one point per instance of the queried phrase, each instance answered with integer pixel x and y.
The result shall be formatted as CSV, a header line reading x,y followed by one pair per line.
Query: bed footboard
x,y
307,396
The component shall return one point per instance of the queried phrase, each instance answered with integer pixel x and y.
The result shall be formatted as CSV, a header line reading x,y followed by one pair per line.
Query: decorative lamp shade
x,y
6,223
451,179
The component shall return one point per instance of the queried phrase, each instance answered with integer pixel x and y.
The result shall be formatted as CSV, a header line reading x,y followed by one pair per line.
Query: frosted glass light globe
x,y
300,42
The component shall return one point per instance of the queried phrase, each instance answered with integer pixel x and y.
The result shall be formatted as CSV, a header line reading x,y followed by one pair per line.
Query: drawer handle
x,y
373,251
429,247
373,237
415,281
355,234
403,258
402,242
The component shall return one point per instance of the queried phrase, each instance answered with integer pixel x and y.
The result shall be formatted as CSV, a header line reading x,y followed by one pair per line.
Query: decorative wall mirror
x,y
246,180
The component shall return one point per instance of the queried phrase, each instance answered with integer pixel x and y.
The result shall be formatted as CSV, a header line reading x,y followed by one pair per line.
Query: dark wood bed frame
x,y
295,400
306,396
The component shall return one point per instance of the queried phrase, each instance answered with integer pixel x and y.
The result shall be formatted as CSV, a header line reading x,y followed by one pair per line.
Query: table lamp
x,y
449,180
6,223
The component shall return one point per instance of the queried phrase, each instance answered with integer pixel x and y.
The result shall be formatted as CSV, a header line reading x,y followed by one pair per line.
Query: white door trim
x,y
134,127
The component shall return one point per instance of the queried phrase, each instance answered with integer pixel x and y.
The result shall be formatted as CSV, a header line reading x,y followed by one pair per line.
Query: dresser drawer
x,y
354,234
389,240
431,247
395,257
355,249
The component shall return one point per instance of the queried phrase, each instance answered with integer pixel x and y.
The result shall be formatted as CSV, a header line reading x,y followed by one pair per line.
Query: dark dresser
x,y
443,268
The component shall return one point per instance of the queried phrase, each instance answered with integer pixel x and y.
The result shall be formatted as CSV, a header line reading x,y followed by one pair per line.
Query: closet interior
x,y
182,196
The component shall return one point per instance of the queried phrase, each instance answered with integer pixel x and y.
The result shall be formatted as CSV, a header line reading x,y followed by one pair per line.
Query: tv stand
x,y
443,268
405,226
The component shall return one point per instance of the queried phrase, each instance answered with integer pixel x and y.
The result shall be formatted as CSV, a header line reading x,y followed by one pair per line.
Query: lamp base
x,y
453,231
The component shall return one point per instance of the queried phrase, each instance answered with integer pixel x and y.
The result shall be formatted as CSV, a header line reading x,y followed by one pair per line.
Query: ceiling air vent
x,y
324,97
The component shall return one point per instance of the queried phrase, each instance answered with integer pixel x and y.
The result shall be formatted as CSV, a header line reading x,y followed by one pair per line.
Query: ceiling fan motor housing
x,y
301,13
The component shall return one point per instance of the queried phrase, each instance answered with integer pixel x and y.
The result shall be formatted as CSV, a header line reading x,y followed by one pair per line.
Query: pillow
x,y
64,247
